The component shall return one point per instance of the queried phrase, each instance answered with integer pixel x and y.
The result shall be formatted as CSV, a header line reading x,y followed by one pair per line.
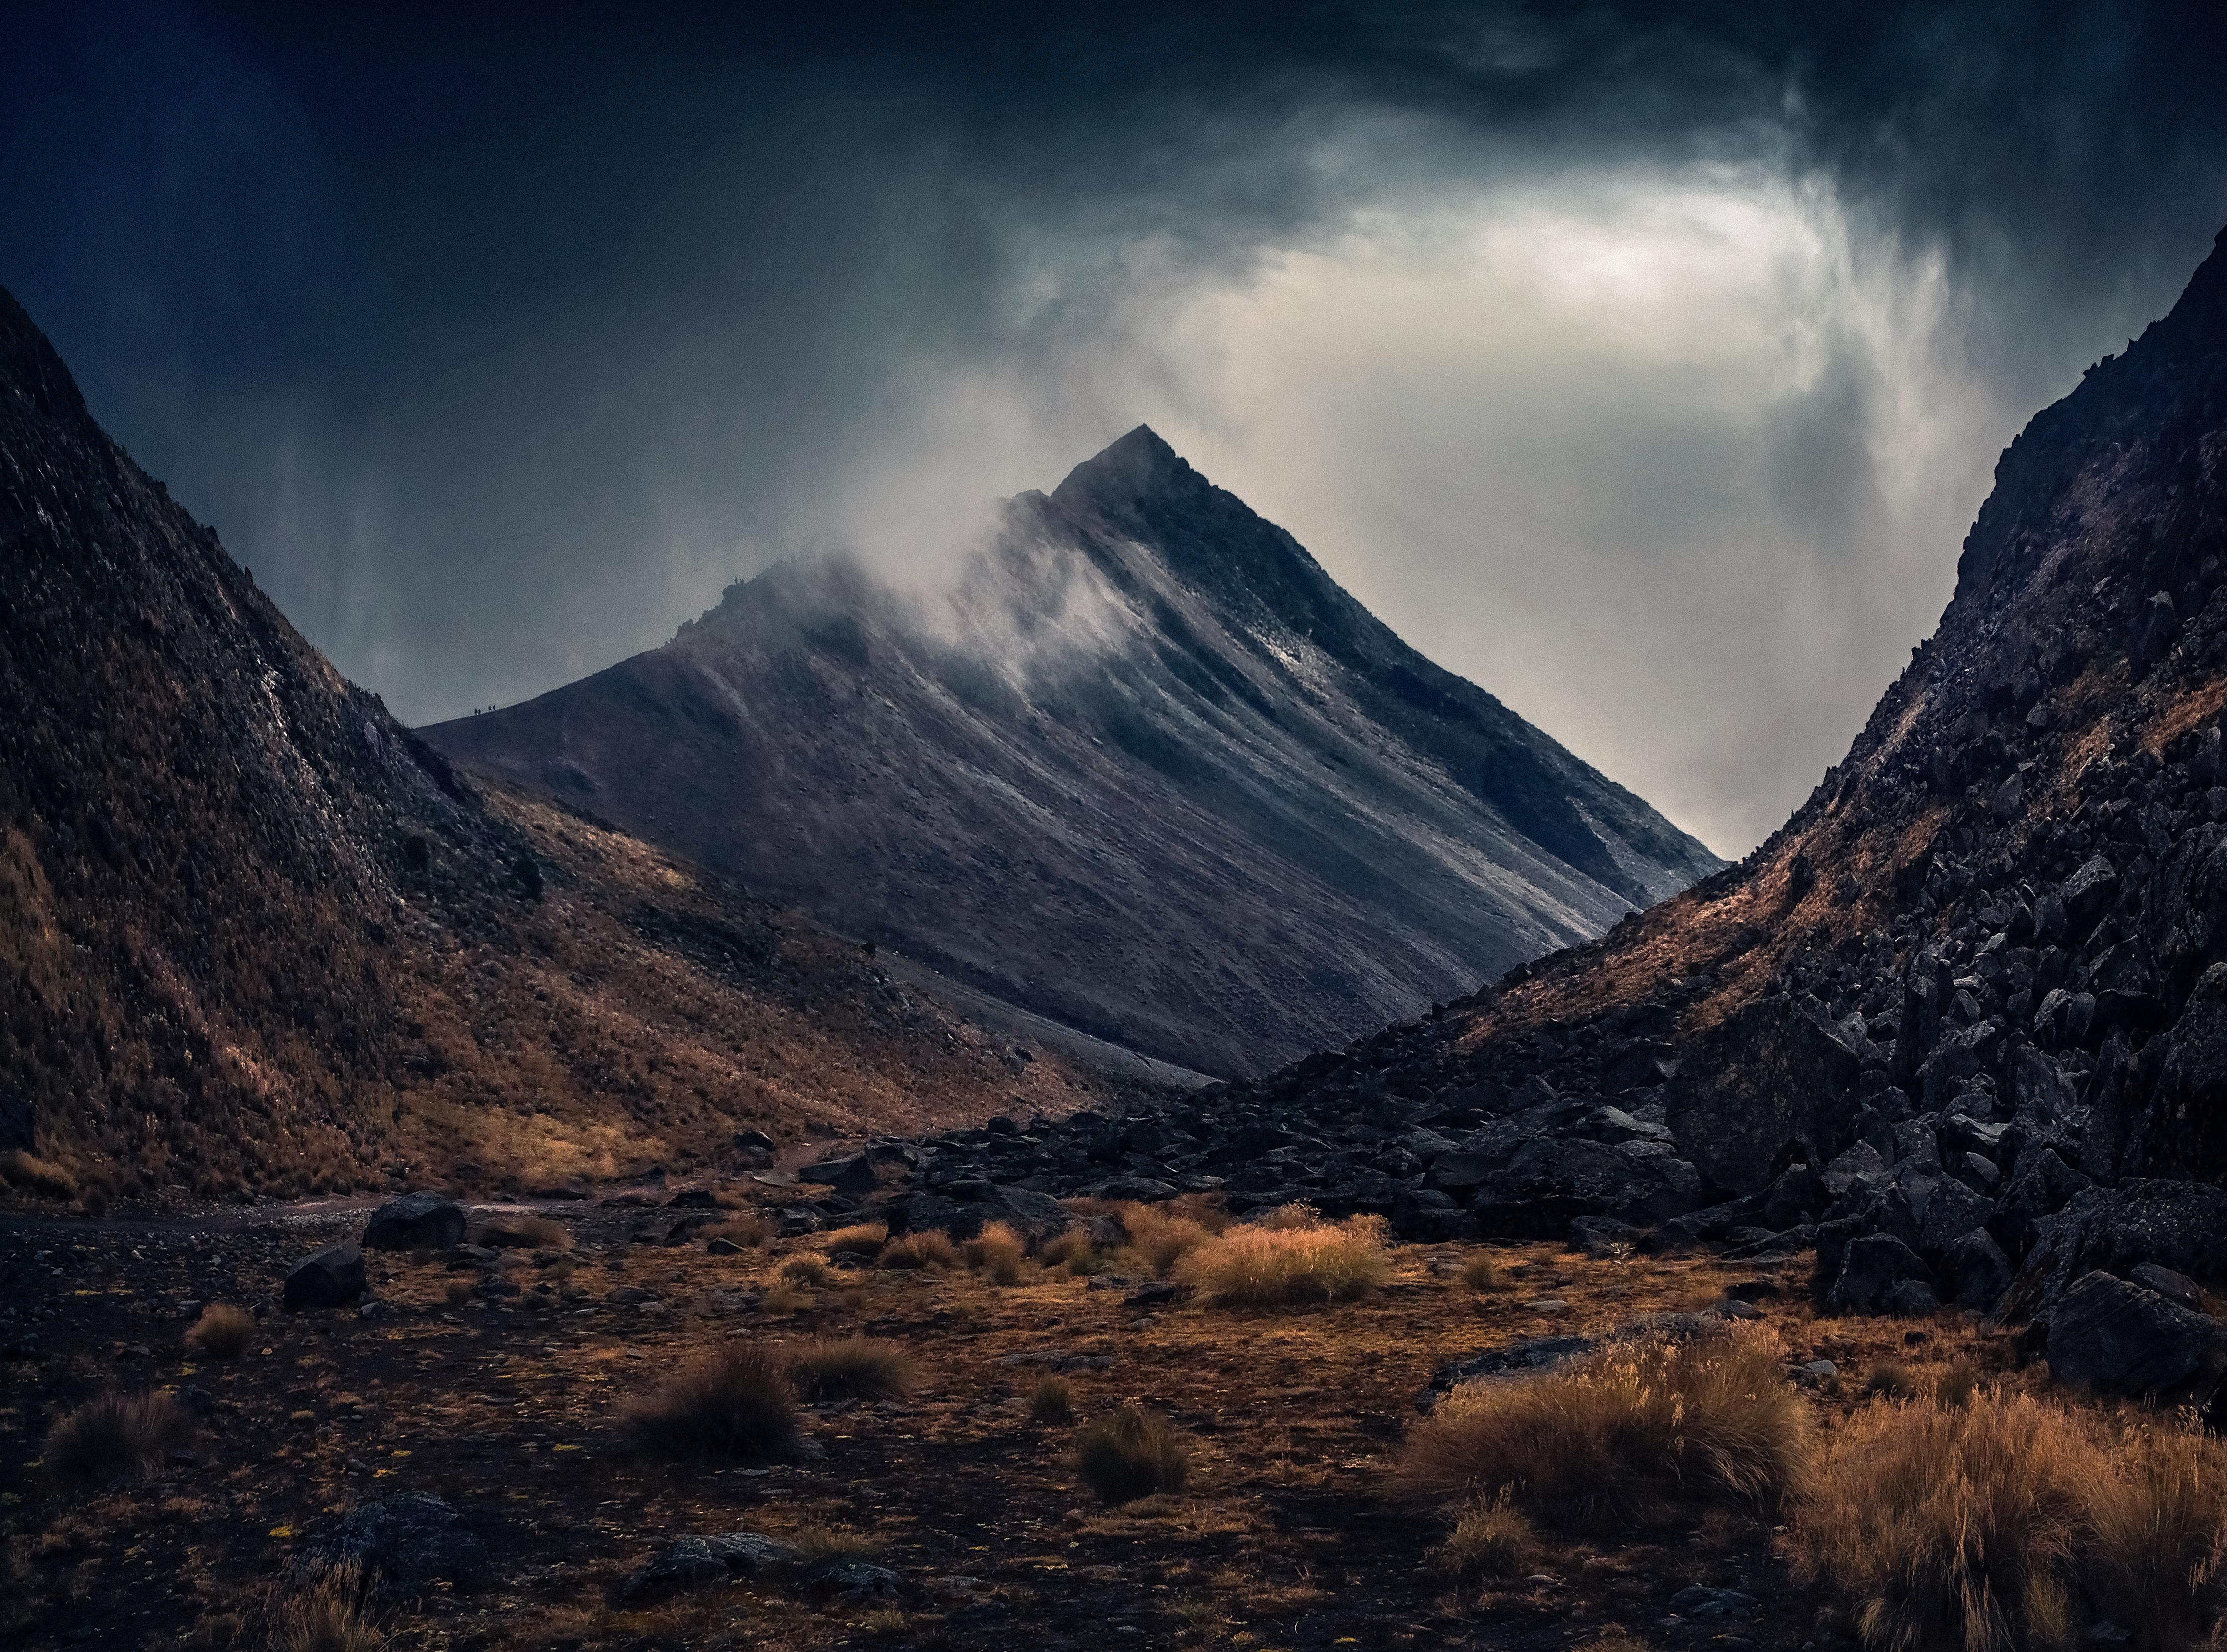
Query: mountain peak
x,y
1139,464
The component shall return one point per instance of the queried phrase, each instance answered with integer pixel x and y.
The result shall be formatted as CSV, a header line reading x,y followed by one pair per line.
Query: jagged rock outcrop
x,y
1146,770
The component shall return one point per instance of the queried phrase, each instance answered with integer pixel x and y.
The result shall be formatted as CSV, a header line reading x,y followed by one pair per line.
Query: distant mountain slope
x,y
1147,770
255,936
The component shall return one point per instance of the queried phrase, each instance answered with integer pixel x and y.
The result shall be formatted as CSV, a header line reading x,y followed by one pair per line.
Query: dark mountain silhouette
x,y
255,934
1147,769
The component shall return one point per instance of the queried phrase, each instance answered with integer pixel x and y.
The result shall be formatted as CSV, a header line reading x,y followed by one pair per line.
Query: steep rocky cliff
x,y
1145,769
255,934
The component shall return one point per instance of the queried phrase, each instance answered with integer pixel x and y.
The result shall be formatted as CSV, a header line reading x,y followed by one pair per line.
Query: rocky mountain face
x,y
1145,770
255,934
1960,1024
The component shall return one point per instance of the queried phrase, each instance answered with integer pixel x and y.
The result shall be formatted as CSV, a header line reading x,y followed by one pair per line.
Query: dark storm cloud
x,y
496,340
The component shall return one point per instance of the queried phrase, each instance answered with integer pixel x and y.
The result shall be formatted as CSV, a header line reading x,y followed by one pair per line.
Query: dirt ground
x,y
511,1411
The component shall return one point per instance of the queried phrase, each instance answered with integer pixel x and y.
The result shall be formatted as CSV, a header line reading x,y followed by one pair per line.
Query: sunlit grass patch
x,y
1288,1261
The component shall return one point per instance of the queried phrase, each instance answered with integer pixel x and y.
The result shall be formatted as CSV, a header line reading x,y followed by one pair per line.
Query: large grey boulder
x,y
699,1562
1870,1268
2110,1335
2180,1224
419,1221
332,1278
403,1545
1981,1270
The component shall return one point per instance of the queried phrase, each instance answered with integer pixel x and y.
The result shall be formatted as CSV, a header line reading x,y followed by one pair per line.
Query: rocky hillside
x,y
1147,770
1962,1021
255,934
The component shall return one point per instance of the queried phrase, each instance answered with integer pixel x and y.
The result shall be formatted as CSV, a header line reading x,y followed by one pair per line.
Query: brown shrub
x,y
1612,1441
1890,1379
1490,1538
998,1250
1074,1250
807,1271
114,1434
1286,1216
750,1230
1052,1400
864,1238
328,1616
735,1402
35,1175
1998,1523
510,1230
931,1248
459,1292
221,1332
1162,1237
1479,1272
1131,1454
852,1368
1291,1262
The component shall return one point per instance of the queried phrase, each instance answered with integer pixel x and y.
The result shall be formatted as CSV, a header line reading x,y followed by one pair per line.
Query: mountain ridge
x,y
1158,776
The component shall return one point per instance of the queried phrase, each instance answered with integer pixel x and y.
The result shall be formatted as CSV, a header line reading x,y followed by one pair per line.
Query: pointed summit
x,y
1140,464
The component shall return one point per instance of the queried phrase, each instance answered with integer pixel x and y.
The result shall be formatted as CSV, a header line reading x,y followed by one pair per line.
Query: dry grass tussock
x,y
1131,1454
930,1249
1479,1272
114,1434
2007,1522
1052,1400
852,1368
735,1402
329,1615
1491,1539
221,1332
998,1251
32,1174
1289,1259
1162,1237
1619,1439
1075,1251
750,1230
863,1238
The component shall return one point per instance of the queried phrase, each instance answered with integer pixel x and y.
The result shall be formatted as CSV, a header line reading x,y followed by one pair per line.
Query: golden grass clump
x,y
862,1240
931,1248
1286,1262
114,1434
35,1175
807,1271
1491,1539
1615,1440
1162,1237
1074,1250
1131,1454
750,1230
2003,1522
1479,1272
735,1402
221,1332
998,1251
851,1367
1052,1400
816,1543
328,1616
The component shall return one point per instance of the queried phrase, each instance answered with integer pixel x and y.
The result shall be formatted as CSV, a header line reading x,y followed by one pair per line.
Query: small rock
x,y
1712,1606
852,1581
697,1562
409,1541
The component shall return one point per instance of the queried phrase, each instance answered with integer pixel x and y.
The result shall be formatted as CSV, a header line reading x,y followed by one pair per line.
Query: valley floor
x,y
508,1407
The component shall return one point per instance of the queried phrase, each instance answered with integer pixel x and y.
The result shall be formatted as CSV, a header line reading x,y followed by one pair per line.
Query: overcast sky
x,y
1645,364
